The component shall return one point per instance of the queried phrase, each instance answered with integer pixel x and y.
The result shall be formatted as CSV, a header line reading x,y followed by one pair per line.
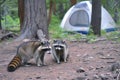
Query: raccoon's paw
x,y
58,62
28,64
40,65
65,61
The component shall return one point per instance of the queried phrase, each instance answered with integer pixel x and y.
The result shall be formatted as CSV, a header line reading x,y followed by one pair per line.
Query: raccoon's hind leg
x,y
25,61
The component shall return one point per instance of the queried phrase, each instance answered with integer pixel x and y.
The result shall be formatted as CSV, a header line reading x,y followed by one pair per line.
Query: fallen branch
x,y
4,36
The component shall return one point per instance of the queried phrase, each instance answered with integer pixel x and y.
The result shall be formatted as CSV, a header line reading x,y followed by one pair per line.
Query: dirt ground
x,y
87,61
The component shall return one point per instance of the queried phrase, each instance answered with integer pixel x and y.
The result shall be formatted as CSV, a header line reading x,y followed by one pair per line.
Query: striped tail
x,y
14,64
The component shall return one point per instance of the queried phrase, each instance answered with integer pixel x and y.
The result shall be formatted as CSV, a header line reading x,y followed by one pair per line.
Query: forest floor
x,y
87,61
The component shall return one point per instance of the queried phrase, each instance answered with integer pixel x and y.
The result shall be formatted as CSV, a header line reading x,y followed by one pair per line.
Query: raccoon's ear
x,y
49,41
54,40
63,41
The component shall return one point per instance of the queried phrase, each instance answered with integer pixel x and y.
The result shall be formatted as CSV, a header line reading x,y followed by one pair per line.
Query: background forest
x,y
9,19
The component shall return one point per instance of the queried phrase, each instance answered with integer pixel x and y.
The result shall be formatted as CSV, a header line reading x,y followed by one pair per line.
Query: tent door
x,y
79,18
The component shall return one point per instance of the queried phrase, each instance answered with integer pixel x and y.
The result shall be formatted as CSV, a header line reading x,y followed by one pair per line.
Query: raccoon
x,y
60,51
45,46
25,52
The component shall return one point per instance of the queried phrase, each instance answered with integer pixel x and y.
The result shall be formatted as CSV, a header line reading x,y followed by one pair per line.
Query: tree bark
x,y
73,2
116,10
35,18
0,19
52,9
1,2
21,12
96,17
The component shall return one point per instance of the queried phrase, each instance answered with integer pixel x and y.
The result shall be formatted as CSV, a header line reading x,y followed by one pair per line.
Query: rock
x,y
95,77
104,77
80,70
91,68
38,77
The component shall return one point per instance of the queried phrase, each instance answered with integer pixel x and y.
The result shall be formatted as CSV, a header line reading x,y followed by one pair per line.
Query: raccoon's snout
x,y
58,48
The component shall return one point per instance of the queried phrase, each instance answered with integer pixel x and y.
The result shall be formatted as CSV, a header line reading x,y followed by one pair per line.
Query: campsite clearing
x,y
87,61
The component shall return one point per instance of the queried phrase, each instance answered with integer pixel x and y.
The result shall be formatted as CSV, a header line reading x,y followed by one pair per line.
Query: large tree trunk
x,y
35,18
96,17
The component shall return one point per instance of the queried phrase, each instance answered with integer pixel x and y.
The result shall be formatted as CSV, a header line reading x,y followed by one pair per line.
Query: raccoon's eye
x,y
42,43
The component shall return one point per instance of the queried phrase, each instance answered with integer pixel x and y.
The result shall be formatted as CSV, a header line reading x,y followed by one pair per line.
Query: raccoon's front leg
x,y
38,61
42,54
65,55
57,57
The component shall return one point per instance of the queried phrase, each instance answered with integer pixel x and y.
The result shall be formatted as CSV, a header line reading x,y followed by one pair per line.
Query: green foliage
x,y
10,7
54,29
9,13
10,23
103,32
115,35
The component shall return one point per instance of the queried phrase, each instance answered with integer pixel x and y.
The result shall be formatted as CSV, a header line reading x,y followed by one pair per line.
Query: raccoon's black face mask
x,y
59,44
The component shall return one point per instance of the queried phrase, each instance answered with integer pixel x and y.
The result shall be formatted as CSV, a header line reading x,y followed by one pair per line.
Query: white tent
x,y
78,18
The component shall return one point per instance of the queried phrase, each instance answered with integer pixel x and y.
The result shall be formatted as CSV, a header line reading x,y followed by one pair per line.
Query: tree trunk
x,y
1,2
0,19
61,10
116,15
35,18
73,2
21,12
116,10
96,17
50,11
